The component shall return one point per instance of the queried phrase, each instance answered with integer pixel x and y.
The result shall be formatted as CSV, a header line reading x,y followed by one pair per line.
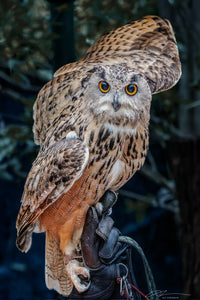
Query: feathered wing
x,y
53,173
147,45
50,102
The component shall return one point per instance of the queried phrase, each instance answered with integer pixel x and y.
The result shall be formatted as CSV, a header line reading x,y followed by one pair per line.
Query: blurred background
x,y
160,206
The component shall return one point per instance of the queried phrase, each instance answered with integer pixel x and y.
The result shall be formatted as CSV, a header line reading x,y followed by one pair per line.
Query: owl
x,y
91,122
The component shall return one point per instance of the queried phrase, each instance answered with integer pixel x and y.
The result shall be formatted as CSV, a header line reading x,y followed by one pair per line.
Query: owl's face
x,y
118,95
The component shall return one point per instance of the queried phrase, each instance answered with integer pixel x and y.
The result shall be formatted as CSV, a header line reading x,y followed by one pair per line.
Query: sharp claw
x,y
82,285
80,276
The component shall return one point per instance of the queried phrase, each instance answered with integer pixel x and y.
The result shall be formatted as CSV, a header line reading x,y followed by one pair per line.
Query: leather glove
x,y
105,257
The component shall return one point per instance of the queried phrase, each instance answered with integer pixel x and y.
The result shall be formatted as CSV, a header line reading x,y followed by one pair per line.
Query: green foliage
x,y
24,36
16,143
25,47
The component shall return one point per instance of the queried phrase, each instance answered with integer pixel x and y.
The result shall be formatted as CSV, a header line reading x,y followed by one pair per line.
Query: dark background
x,y
159,207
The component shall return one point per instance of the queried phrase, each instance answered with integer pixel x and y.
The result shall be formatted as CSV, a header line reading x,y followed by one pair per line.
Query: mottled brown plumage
x,y
92,140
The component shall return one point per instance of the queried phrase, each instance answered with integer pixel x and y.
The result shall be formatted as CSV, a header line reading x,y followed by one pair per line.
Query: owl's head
x,y
118,95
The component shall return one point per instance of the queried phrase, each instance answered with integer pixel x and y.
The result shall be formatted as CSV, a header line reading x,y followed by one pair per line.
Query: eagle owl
x,y
91,122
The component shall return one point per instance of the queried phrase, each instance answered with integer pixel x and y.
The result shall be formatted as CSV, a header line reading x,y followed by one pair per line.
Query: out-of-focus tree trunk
x,y
184,152
185,160
62,19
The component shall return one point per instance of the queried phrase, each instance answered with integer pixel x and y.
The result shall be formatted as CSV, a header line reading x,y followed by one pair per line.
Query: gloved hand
x,y
105,257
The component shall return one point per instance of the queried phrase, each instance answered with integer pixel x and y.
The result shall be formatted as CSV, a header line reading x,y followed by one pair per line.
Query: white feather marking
x,y
122,129
35,183
69,249
105,107
52,282
71,135
117,169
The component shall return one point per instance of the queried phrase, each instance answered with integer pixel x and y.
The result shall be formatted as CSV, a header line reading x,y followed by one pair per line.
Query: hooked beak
x,y
116,104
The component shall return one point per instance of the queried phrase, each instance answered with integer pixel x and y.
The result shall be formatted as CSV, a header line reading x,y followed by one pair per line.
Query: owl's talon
x,y
80,276
78,248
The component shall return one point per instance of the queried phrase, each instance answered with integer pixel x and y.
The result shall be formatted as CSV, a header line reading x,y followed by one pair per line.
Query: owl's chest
x,y
105,148
113,157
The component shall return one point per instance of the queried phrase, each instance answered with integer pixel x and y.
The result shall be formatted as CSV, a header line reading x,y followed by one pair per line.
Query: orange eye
x,y
131,89
104,86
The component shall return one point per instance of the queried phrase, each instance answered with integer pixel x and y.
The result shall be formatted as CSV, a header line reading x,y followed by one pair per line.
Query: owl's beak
x,y
116,104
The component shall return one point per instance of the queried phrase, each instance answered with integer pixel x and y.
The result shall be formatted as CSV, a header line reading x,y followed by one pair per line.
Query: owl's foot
x,y
80,276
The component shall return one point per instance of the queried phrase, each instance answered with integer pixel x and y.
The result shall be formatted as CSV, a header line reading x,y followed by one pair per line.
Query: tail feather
x,y
55,270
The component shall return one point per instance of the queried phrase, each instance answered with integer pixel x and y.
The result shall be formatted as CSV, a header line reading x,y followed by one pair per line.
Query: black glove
x,y
108,260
